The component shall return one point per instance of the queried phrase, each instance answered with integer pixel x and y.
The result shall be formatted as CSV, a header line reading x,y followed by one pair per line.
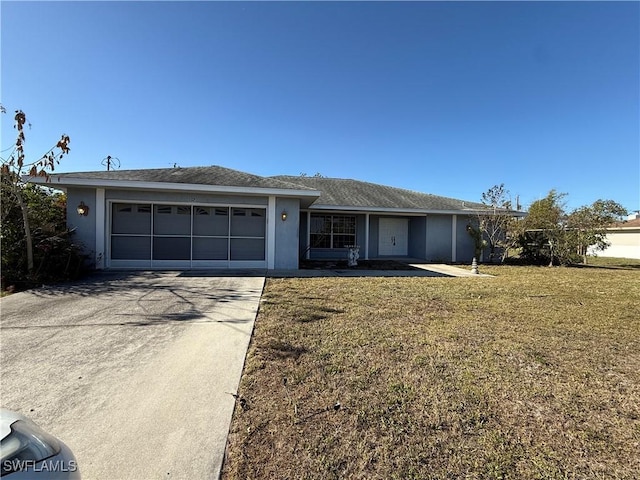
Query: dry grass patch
x,y
532,374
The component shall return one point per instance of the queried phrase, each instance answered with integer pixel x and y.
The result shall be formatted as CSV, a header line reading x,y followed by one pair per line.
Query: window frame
x,y
341,225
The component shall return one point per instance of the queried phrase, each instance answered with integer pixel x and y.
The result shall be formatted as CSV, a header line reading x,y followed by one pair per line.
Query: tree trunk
x,y
27,230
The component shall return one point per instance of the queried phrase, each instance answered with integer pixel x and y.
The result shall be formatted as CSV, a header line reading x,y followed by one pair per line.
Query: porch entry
x,y
393,236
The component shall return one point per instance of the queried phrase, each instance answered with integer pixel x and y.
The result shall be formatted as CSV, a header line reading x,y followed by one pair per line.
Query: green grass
x,y
614,262
534,373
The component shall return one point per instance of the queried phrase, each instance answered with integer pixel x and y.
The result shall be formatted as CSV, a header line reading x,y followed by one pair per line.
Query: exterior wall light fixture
x,y
82,209
283,215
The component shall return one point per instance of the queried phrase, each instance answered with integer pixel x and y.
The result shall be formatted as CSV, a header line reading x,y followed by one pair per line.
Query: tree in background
x,y
31,216
587,225
497,222
56,257
544,230
553,234
16,165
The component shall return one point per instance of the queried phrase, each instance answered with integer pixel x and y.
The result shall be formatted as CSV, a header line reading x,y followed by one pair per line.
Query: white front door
x,y
393,236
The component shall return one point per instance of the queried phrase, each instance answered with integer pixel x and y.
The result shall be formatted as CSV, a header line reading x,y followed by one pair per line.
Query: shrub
x,y
56,256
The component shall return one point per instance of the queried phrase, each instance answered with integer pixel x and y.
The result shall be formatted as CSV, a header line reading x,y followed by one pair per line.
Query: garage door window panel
x,y
248,222
131,219
130,248
131,231
248,228
247,249
210,248
211,221
171,220
171,248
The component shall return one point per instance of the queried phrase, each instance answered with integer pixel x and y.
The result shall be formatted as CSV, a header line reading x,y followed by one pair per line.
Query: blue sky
x,y
448,98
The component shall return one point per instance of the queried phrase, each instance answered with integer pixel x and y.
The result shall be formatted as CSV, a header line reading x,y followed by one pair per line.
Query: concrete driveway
x,y
135,372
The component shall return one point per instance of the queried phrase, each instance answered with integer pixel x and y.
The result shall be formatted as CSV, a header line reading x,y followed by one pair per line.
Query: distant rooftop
x,y
631,223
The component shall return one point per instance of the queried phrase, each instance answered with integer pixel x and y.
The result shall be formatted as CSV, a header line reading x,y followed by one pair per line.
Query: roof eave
x,y
393,210
56,181
623,229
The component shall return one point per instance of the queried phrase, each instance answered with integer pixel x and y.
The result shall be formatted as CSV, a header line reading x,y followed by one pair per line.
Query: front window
x,y
333,231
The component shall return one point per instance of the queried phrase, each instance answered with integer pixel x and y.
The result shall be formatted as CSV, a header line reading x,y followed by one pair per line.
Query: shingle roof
x,y
211,175
635,223
334,192
355,193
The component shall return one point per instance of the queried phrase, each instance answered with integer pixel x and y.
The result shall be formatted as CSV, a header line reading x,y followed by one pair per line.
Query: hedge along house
x,y
215,217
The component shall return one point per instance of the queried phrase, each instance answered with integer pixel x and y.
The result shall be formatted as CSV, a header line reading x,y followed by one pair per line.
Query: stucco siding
x,y
187,198
464,242
429,237
84,227
624,244
417,236
439,238
328,254
374,237
287,232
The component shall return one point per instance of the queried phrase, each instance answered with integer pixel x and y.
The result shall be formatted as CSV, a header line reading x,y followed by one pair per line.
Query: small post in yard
x,y
474,266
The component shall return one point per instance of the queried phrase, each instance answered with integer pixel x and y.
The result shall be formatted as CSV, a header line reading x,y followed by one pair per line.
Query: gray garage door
x,y
186,236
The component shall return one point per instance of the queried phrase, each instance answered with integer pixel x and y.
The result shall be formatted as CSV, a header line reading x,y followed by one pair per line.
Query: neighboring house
x,y
208,217
624,238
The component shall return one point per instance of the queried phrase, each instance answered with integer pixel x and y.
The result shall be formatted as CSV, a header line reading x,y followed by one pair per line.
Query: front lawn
x,y
534,373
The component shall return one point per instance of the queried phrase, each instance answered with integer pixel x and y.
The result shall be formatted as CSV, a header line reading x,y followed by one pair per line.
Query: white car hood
x,y
7,418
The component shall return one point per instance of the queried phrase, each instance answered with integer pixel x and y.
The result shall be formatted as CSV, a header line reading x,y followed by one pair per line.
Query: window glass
x,y
321,224
167,220
210,248
344,225
320,240
342,241
130,219
211,221
171,248
130,248
247,249
332,231
248,222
